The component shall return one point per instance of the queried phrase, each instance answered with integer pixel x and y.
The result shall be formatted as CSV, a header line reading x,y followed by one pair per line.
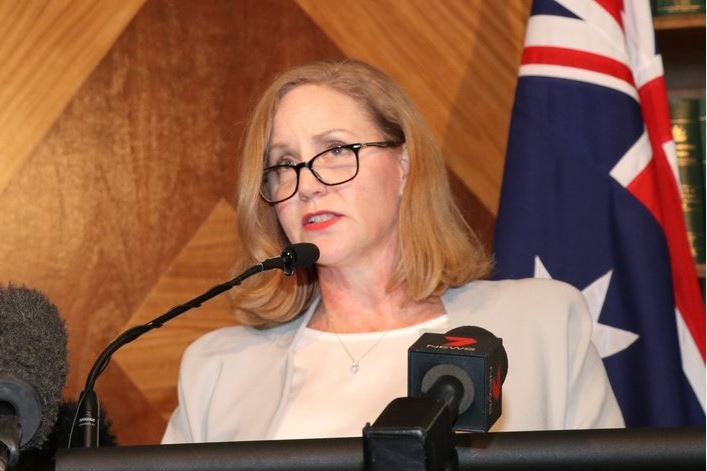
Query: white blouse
x,y
330,397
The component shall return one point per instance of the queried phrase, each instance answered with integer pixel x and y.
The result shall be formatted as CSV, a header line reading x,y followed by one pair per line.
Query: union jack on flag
x,y
590,197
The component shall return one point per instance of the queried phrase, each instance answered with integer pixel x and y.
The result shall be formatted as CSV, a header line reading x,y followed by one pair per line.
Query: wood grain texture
x,y
457,59
691,20
133,167
48,49
204,262
117,174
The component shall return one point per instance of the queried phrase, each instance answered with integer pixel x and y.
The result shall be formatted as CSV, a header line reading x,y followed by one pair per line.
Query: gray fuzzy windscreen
x,y
33,349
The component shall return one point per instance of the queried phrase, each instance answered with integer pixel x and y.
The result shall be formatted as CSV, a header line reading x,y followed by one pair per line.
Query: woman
x,y
336,155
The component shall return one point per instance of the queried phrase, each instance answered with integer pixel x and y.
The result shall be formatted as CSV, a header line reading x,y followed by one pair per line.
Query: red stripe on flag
x,y
656,113
577,59
614,8
657,189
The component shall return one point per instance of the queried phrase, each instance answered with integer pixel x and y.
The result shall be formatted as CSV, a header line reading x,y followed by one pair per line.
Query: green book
x,y
685,127
677,7
701,119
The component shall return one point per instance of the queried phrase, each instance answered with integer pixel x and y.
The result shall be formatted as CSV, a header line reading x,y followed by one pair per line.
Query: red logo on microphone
x,y
496,385
458,341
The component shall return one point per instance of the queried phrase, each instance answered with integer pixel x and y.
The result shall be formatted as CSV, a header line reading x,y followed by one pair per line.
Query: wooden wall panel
x,y
204,262
116,193
458,60
48,48
134,166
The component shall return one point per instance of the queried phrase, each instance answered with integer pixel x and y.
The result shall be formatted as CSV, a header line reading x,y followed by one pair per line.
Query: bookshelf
x,y
671,22
681,41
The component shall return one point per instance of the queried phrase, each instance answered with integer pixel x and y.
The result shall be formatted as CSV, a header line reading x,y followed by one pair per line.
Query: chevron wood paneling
x,y
48,48
458,59
205,261
119,130
134,166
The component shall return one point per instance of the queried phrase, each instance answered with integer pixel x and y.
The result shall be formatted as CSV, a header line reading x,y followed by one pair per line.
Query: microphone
x,y
301,255
33,370
454,383
463,368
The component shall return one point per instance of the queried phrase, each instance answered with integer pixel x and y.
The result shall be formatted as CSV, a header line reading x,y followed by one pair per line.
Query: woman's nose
x,y
309,185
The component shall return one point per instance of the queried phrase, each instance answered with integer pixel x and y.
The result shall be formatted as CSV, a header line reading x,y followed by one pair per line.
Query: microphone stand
x,y
88,408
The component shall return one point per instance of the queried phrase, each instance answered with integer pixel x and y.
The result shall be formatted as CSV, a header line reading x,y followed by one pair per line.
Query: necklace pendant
x,y
354,367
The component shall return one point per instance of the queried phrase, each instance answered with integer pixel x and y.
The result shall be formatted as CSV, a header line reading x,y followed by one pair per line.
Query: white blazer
x,y
234,382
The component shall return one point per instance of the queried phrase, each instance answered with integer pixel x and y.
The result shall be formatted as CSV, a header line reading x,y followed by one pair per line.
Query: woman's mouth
x,y
320,220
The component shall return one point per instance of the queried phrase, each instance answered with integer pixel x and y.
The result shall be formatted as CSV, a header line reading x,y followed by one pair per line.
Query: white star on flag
x,y
608,340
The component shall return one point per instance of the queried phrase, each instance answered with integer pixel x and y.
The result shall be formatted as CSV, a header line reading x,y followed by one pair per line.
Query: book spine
x,y
685,127
701,120
677,7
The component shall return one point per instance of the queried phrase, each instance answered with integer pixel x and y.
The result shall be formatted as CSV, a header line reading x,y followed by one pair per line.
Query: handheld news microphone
x,y
454,383
32,370
464,368
300,255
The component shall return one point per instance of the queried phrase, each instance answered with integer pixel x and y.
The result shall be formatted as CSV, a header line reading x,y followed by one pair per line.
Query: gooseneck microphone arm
x,y
88,415
135,332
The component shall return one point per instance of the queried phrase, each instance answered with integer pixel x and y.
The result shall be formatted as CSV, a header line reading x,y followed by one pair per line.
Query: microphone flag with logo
x,y
471,355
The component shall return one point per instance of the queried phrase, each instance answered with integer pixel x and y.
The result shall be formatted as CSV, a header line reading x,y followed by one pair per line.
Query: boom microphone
x,y
32,370
300,255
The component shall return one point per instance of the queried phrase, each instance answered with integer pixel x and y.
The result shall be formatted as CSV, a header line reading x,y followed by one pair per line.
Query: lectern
x,y
615,449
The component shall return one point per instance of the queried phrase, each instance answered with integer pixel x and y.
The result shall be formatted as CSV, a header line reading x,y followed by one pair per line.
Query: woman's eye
x,y
282,160
337,150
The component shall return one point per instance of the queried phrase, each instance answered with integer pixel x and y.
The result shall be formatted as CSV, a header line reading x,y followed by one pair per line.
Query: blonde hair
x,y
441,252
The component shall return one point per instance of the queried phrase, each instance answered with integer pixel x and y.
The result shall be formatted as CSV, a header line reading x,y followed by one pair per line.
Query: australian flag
x,y
590,197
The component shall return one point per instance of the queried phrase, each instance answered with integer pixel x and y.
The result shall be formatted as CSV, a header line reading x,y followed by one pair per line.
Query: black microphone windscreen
x,y
32,352
304,254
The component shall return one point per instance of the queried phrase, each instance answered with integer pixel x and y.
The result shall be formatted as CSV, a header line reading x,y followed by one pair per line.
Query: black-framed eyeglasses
x,y
333,166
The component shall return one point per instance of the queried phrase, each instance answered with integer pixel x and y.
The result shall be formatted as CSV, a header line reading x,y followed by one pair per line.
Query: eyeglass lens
x,y
331,167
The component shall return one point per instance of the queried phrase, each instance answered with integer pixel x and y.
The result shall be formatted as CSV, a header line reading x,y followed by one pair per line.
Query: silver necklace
x,y
355,363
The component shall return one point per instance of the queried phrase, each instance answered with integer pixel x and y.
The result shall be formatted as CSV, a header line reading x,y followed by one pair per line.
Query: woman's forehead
x,y
318,111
